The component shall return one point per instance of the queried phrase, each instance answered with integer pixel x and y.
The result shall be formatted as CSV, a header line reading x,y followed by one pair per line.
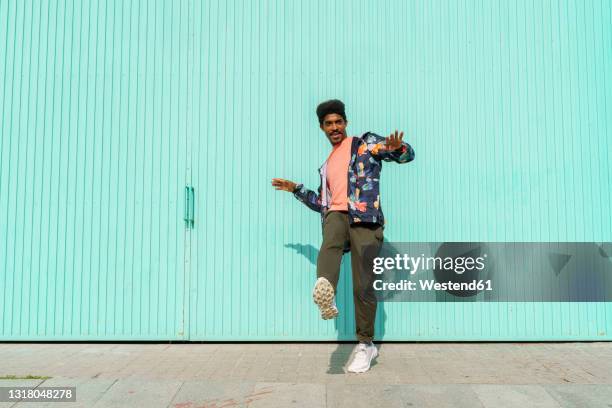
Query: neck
x,y
334,146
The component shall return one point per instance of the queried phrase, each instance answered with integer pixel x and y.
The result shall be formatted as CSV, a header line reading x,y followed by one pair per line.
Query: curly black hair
x,y
331,106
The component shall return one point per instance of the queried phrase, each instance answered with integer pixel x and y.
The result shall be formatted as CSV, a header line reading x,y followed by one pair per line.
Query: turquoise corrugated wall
x,y
109,109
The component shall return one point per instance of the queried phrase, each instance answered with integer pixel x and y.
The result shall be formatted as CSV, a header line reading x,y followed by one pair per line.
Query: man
x,y
349,202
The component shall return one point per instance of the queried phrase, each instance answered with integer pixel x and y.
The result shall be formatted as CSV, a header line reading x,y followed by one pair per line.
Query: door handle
x,y
187,207
191,206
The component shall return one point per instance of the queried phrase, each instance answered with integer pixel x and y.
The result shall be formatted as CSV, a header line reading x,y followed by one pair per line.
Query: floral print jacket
x,y
367,153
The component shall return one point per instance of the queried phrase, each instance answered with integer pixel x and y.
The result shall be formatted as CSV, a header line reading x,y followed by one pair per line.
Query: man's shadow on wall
x,y
344,324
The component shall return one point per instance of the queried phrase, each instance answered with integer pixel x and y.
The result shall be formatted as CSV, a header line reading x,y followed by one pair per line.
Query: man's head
x,y
332,120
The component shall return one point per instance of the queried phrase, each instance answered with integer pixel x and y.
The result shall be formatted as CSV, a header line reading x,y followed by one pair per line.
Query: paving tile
x,y
283,395
213,394
581,395
501,396
137,393
367,396
16,383
88,392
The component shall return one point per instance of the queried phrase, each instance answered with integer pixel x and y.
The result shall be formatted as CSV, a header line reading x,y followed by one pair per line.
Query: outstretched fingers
x,y
394,140
281,184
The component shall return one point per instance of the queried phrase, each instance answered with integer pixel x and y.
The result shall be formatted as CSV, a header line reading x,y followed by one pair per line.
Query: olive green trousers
x,y
365,242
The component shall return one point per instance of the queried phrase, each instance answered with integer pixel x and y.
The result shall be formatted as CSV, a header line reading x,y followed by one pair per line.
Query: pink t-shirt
x,y
337,174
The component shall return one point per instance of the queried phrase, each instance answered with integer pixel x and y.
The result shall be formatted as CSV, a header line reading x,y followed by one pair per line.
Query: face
x,y
334,127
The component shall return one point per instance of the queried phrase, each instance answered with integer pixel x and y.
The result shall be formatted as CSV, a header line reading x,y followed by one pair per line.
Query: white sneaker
x,y
362,358
323,296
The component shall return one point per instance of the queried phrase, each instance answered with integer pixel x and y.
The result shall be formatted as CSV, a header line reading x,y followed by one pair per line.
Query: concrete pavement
x,y
311,374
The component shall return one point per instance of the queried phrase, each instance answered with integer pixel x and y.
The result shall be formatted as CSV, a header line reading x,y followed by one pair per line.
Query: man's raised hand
x,y
282,184
394,141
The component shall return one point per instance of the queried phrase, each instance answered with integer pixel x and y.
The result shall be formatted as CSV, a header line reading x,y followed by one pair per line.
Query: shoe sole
x,y
323,296
368,367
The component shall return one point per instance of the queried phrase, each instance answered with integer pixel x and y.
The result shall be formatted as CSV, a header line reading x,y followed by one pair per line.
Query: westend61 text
x,y
431,284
